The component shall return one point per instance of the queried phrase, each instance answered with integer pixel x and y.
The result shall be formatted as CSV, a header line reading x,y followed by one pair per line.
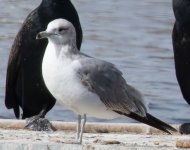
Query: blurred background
x,y
134,35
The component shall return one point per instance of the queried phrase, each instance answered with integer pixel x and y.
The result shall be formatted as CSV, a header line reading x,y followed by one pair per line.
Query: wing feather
x,y
106,81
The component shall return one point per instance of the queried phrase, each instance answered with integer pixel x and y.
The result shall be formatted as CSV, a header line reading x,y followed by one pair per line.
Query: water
x,y
136,36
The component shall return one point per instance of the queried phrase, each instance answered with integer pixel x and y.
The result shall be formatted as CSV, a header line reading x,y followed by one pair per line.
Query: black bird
x,y
181,46
25,87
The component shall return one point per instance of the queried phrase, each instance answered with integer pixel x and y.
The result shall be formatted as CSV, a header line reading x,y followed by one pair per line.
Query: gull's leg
x,y
83,121
78,127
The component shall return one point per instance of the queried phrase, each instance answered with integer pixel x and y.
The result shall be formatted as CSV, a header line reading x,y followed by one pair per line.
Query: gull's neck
x,y
66,50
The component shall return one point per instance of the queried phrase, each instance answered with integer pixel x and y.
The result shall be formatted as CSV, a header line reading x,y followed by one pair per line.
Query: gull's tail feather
x,y
152,121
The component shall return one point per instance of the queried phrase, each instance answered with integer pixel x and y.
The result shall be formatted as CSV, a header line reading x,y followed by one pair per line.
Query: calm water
x,y
136,36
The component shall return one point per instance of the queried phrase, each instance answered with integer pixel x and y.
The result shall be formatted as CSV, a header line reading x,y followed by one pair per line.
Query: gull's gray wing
x,y
106,81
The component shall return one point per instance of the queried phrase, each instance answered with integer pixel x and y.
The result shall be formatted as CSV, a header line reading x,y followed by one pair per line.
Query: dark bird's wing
x,y
14,95
106,81
181,45
11,99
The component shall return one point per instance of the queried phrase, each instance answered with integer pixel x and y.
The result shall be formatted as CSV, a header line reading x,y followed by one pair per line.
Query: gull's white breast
x,y
63,82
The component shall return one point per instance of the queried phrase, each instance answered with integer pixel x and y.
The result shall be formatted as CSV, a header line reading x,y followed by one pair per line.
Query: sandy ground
x,y
99,136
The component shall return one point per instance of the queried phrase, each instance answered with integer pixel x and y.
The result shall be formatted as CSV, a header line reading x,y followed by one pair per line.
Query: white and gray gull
x,y
86,85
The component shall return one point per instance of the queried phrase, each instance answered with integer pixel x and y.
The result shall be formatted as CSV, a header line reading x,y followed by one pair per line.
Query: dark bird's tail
x,y
152,121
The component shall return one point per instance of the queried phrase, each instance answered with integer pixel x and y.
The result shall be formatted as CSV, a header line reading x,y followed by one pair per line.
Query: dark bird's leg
x,y
39,122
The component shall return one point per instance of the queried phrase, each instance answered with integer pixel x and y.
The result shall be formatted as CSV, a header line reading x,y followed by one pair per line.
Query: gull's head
x,y
59,31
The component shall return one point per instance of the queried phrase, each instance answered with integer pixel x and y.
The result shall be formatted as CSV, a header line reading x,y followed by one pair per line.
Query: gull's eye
x,y
61,29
